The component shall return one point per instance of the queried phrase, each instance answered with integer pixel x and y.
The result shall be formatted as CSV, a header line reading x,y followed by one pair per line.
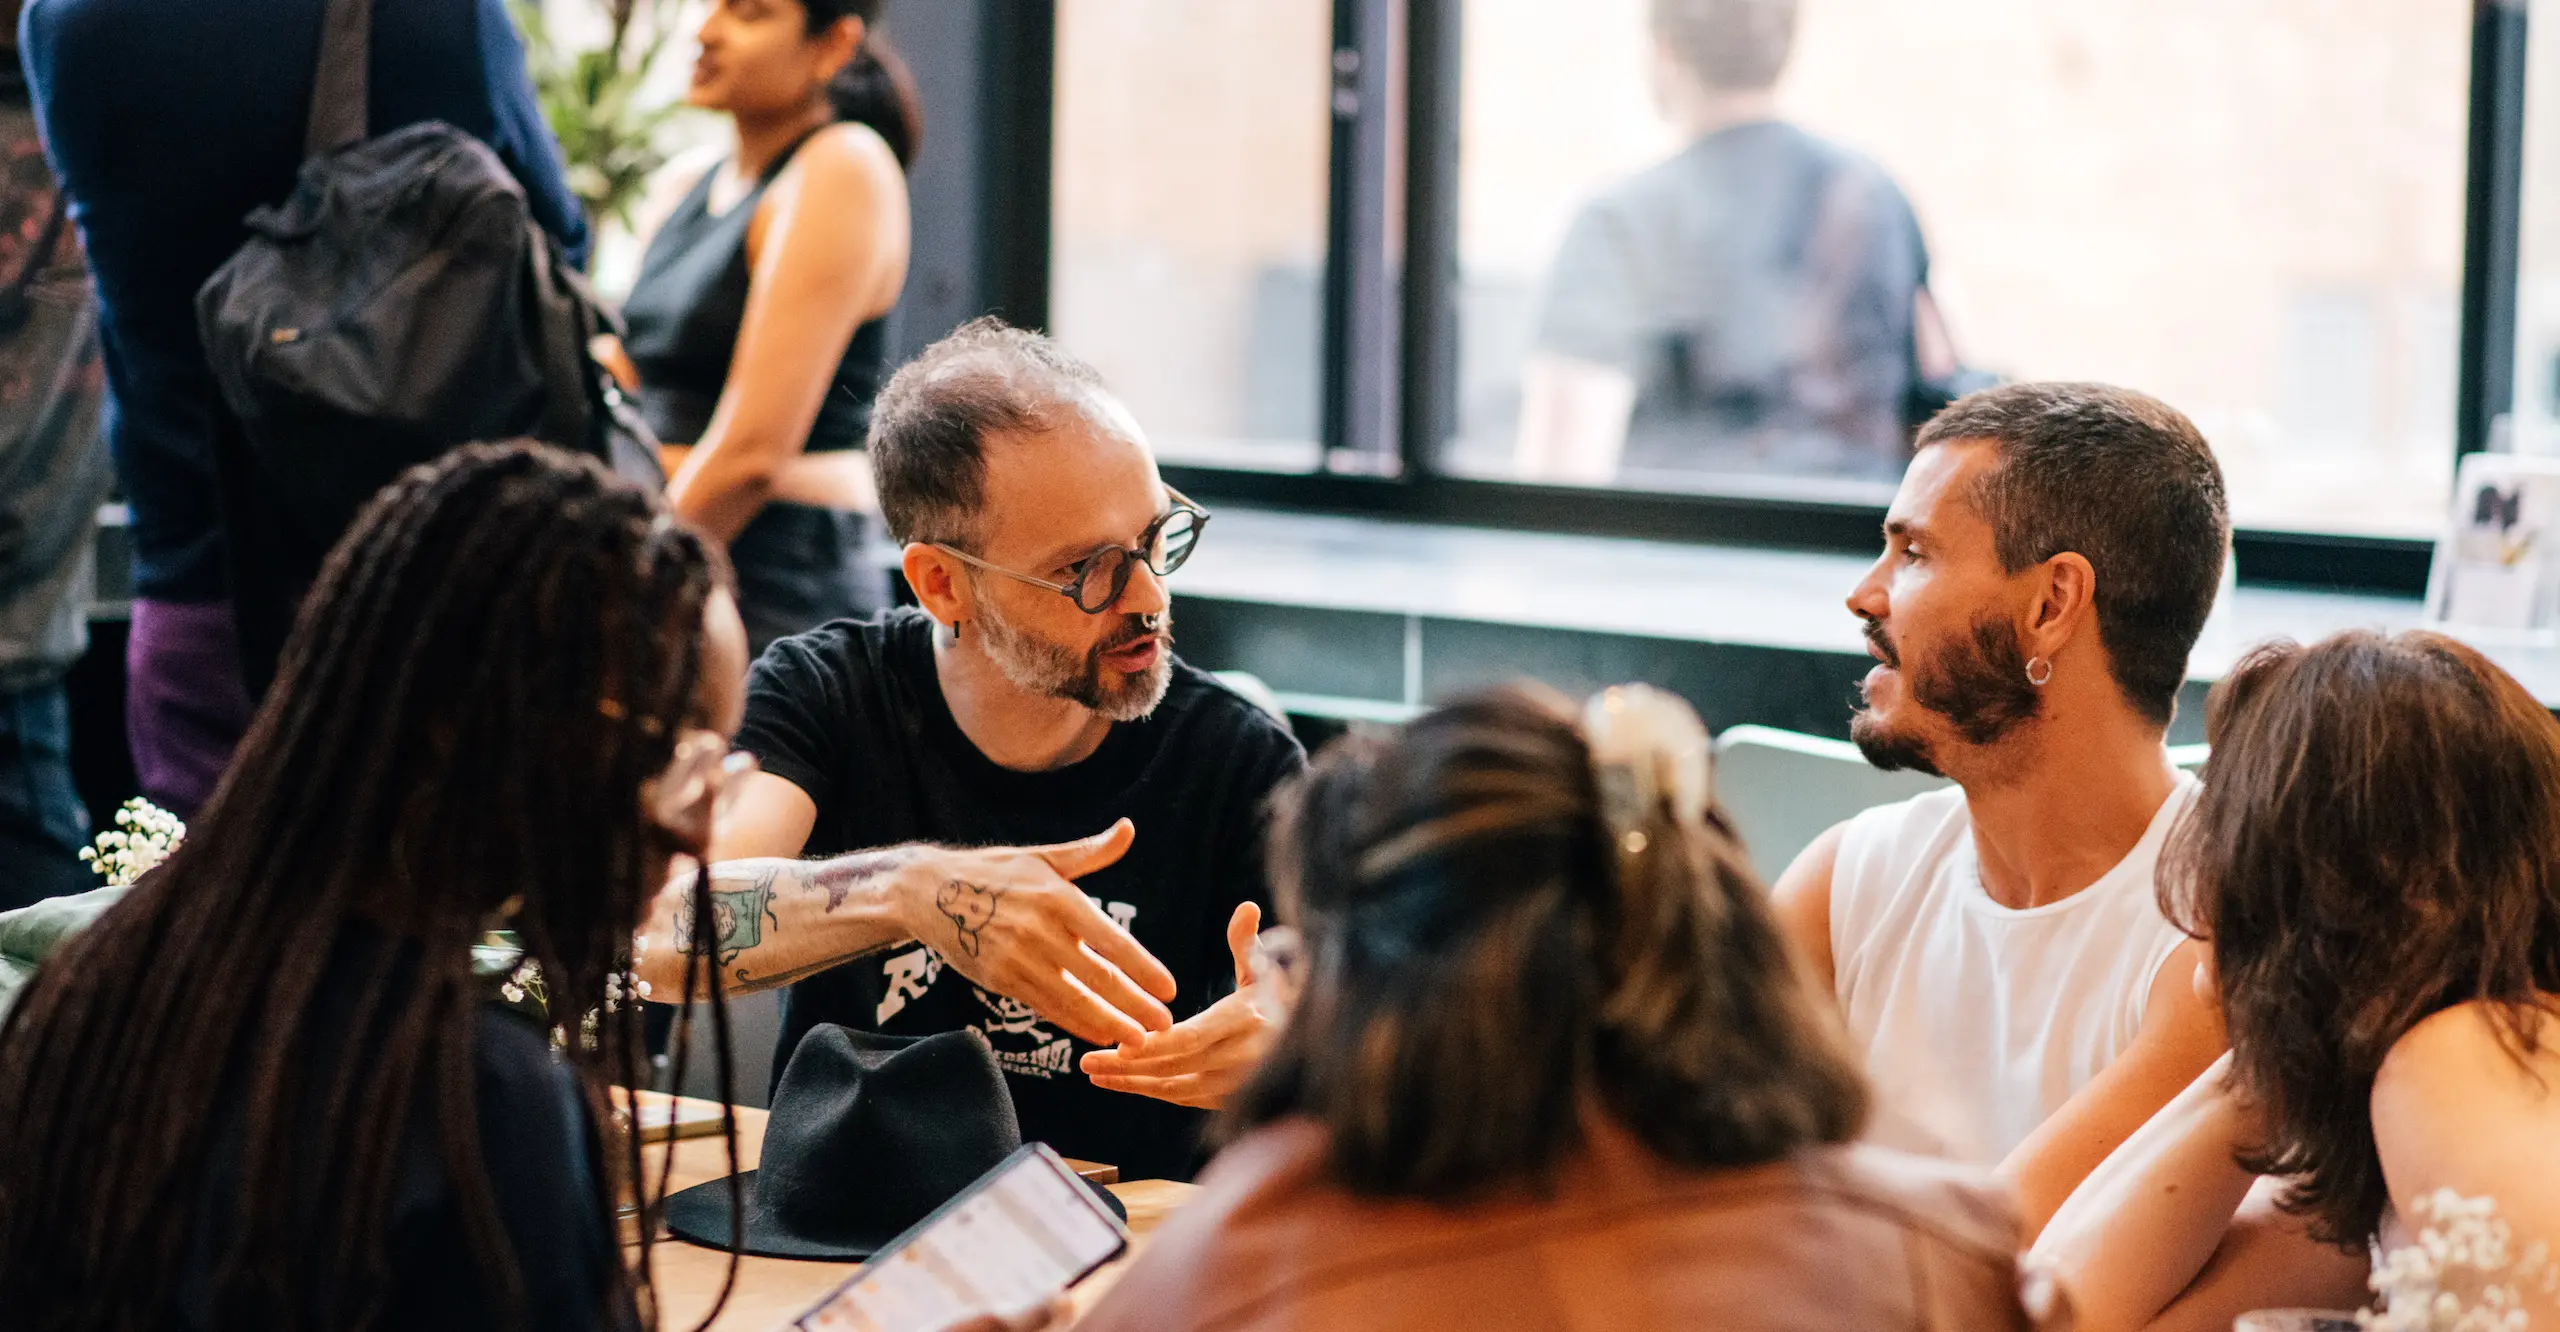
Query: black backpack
x,y
402,301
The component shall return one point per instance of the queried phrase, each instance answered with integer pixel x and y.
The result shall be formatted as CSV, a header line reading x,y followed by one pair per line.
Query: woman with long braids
x,y
264,1090
758,333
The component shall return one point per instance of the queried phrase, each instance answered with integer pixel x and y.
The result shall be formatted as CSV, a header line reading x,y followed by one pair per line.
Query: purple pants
x,y
185,706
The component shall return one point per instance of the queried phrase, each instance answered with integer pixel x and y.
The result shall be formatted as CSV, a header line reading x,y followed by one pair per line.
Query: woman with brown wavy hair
x,y
2375,862
1552,1066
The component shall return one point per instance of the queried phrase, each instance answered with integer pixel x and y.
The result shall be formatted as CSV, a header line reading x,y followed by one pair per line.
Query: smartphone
x,y
1022,1233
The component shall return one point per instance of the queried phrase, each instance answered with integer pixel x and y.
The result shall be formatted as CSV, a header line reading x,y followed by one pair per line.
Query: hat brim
x,y
700,1215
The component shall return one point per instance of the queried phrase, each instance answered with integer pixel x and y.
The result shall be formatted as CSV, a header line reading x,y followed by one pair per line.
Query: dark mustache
x,y
1883,645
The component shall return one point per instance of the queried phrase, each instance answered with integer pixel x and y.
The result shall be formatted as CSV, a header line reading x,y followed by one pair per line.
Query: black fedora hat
x,y
868,1134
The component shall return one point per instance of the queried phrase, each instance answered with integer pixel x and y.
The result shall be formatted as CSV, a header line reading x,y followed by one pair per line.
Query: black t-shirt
x,y
539,1147
852,713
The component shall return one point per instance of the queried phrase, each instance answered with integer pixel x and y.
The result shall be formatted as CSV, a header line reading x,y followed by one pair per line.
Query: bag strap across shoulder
x,y
338,94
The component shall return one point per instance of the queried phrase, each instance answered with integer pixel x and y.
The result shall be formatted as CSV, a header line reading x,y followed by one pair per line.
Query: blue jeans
x,y
42,822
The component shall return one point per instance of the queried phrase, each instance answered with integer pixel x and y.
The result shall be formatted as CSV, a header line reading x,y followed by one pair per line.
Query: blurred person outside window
x,y
53,475
1551,1065
1759,303
167,121
758,330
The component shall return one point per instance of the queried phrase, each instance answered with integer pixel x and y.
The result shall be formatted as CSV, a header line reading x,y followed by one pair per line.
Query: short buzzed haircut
x,y
1728,45
929,425
2126,481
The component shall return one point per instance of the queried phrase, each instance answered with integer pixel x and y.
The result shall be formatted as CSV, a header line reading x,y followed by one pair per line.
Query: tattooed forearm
x,y
969,907
773,921
841,877
740,905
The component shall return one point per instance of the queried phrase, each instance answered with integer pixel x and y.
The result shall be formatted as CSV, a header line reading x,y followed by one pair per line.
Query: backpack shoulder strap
x,y
338,94
567,314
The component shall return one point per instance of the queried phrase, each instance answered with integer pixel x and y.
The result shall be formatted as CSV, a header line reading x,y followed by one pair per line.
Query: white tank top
x,y
1978,1020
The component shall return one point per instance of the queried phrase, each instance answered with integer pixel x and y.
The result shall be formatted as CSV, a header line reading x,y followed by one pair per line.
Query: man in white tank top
x,y
1996,948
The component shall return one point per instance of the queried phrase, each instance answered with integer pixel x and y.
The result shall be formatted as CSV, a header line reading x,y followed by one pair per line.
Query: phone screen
x,y
1023,1232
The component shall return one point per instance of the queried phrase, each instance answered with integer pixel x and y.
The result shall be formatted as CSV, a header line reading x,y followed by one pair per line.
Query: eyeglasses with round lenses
x,y
1102,577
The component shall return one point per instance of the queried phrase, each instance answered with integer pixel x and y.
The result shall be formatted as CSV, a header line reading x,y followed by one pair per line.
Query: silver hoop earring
x,y
2039,680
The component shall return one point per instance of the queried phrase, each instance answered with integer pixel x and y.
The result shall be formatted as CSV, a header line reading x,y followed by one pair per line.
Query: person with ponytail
x,y
266,1089
756,334
1551,1065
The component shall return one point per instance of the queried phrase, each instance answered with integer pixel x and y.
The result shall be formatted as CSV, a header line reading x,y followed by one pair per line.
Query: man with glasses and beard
x,y
1997,947
1032,700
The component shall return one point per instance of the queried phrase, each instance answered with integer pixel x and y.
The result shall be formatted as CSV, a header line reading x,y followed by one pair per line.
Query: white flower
x,y
2459,1276
148,834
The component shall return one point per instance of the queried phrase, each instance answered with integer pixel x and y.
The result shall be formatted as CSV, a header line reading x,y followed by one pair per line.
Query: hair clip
x,y
1648,751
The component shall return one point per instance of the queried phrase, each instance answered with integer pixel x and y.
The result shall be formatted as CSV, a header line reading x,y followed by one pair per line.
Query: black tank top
x,y
683,316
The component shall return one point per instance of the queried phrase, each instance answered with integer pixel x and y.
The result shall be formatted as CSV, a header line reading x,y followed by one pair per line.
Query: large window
x,y
2251,210
1188,246
1700,260
2535,424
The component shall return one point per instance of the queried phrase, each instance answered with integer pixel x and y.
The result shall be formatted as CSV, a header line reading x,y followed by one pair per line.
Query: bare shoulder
x,y
1807,878
1802,899
2457,1104
846,158
2465,1050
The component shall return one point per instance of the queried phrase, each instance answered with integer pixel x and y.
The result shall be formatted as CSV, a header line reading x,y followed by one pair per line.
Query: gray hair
x,y
930,423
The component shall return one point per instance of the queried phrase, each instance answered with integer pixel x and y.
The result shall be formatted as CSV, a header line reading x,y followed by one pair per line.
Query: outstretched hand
x,y
1205,1058
1013,921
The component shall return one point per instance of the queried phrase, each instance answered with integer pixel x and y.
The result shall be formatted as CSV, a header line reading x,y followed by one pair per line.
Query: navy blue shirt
x,y
168,121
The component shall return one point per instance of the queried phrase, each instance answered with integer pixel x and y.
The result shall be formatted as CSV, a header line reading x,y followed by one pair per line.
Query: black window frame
x,y
1388,302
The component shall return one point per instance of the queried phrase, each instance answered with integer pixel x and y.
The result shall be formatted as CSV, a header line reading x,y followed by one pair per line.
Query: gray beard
x,y
1036,665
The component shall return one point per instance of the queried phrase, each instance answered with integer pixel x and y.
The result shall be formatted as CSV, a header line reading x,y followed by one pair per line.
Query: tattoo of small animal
x,y
738,911
969,906
841,877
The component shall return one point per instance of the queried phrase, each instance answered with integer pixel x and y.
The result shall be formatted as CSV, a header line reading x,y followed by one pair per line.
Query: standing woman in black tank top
x,y
756,325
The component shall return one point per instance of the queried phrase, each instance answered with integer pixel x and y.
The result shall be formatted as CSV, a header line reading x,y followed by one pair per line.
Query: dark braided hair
x,y
494,661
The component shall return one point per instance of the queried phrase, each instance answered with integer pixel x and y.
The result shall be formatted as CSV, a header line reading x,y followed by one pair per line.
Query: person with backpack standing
x,y
53,475
758,325
1757,303
167,122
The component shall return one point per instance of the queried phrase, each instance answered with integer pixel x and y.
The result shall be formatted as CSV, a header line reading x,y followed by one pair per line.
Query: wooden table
x,y
772,1291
